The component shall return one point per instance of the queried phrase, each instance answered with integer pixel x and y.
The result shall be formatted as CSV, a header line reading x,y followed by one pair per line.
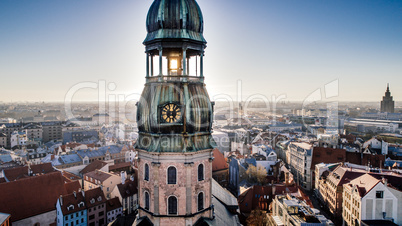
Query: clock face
x,y
170,113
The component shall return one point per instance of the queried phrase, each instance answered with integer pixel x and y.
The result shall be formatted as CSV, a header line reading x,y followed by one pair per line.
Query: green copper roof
x,y
175,19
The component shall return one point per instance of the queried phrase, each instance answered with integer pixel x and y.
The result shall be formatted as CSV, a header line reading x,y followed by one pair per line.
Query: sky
x,y
270,47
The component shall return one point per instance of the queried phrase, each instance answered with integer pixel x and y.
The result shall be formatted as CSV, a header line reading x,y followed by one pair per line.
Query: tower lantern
x,y
174,118
175,34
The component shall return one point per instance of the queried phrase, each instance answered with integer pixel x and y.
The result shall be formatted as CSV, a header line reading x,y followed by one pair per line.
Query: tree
x,y
256,175
257,218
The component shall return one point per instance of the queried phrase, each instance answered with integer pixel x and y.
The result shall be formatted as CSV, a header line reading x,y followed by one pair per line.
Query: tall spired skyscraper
x,y
387,103
174,119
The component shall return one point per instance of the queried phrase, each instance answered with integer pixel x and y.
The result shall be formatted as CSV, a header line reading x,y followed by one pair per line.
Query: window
x,y
82,220
200,201
172,205
172,175
146,172
200,172
146,200
91,217
101,213
379,194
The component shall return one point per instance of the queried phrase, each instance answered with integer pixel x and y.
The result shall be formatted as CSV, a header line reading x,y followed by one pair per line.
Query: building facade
x,y
71,210
174,120
369,198
300,156
387,103
113,209
95,202
127,193
106,181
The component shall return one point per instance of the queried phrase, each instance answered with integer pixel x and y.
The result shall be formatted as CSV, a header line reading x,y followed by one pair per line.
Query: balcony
x,y
175,78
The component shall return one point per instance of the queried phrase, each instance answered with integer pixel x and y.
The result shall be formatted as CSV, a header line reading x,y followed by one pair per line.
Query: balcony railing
x,y
175,78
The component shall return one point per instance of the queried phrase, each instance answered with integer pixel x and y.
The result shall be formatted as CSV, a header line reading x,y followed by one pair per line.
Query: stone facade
x,y
186,189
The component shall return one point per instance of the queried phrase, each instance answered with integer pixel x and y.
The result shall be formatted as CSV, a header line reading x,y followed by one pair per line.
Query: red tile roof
x,y
42,168
31,196
94,197
219,162
113,204
261,196
95,165
364,159
119,166
70,177
129,188
72,186
16,173
75,200
327,155
97,175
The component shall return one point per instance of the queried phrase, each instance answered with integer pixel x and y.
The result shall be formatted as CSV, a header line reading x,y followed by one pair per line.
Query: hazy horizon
x,y
275,48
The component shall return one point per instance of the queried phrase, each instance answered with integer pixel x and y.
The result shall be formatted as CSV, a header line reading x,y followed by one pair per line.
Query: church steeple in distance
x,y
387,103
174,118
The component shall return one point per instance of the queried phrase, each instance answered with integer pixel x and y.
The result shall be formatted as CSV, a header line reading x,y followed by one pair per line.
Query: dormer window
x,y
99,199
92,201
70,207
81,204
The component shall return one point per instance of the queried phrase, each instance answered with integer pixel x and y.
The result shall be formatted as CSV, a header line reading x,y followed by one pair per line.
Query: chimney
x,y
287,178
123,177
83,193
61,200
385,181
75,194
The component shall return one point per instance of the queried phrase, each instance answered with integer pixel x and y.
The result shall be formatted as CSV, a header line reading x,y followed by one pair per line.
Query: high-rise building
x,y
174,119
387,103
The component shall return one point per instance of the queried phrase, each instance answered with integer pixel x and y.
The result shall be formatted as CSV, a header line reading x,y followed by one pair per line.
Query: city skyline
x,y
281,48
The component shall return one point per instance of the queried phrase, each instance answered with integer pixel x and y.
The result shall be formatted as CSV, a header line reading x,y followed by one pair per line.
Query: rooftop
x,y
35,195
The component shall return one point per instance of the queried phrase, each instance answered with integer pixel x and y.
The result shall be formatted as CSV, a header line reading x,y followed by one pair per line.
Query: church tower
x,y
387,103
174,119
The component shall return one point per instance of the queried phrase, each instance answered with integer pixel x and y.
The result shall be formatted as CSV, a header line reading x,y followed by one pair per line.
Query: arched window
x,y
172,205
200,172
200,201
146,199
146,172
172,175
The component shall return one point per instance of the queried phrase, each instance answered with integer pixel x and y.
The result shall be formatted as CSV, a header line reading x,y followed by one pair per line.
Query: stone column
x,y
147,75
189,193
202,65
185,61
152,65
188,66
160,61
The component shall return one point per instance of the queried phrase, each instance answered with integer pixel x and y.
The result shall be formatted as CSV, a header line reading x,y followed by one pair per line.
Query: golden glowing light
x,y
173,64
